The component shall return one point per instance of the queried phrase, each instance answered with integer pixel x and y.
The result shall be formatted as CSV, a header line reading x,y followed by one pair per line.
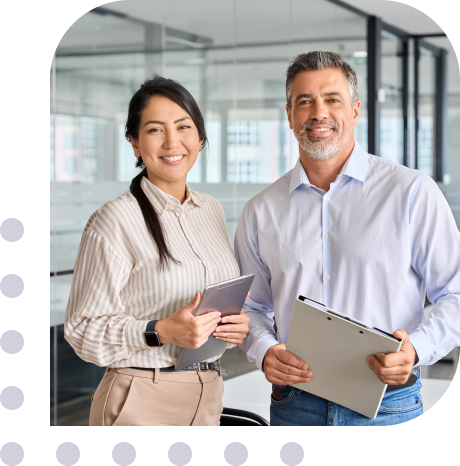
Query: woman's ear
x,y
135,145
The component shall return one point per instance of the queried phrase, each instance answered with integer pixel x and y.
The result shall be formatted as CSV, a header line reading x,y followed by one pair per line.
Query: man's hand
x,y
395,368
283,368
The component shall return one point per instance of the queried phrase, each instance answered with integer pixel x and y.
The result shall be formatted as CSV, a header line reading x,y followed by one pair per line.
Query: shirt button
x,y
210,269
327,277
194,242
326,236
326,198
178,214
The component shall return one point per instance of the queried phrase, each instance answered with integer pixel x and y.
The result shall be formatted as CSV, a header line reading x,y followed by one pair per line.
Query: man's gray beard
x,y
321,149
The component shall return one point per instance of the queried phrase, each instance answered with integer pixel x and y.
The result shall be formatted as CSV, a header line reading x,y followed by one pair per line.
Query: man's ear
x,y
356,108
288,111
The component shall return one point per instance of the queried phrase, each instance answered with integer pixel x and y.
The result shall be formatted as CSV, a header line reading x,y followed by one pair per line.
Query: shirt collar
x,y
163,201
355,167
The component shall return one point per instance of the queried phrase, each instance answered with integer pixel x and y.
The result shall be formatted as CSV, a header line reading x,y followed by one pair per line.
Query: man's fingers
x,y
276,364
283,378
393,359
291,360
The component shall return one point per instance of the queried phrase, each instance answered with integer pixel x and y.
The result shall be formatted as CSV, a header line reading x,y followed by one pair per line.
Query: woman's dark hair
x,y
179,95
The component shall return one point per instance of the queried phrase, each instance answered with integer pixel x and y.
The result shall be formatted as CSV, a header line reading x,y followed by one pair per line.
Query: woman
x,y
142,258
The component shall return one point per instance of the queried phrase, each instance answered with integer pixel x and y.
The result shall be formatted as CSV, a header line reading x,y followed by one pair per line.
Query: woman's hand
x,y
235,330
186,330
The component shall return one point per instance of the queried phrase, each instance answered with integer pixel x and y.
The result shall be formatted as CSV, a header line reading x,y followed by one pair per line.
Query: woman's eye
x,y
184,127
154,130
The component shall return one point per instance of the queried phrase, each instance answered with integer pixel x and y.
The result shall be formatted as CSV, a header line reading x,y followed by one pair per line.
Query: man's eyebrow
x,y
303,96
333,93
158,122
311,96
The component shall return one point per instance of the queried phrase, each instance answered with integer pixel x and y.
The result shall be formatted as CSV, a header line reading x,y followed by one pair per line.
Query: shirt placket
x,y
326,242
184,223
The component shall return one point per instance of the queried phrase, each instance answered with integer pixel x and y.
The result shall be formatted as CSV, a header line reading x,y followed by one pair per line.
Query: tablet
x,y
226,297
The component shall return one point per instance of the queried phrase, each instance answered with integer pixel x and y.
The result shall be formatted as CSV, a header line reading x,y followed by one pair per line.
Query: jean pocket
x,y
286,396
400,409
401,401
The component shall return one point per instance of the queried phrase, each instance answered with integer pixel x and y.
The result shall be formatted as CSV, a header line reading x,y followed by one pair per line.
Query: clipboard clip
x,y
303,298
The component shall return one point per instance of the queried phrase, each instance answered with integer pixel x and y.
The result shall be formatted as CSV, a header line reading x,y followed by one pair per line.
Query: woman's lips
x,y
173,159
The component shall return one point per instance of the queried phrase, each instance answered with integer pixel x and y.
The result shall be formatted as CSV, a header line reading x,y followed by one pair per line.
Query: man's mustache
x,y
308,124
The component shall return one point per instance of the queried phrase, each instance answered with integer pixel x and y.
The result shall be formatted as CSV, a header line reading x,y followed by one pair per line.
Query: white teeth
x,y
173,159
321,129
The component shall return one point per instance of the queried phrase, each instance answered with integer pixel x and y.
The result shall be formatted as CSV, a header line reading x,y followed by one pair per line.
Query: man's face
x,y
321,114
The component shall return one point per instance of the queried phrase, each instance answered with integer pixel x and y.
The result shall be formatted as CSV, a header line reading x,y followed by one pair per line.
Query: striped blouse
x,y
118,285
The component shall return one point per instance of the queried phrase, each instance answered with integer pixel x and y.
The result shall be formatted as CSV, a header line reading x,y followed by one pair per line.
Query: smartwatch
x,y
151,336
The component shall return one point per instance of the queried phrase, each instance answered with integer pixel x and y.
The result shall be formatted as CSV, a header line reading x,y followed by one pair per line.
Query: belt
x,y
409,382
200,366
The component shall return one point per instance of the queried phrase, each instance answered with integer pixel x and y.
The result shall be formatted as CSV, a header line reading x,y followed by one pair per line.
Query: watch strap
x,y
151,336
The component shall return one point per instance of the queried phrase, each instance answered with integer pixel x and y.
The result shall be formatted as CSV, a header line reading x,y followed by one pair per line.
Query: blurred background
x,y
232,56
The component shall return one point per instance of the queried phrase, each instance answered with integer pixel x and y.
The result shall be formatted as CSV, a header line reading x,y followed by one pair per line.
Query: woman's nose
x,y
171,140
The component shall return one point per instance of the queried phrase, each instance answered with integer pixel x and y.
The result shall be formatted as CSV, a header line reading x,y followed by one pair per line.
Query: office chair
x,y
238,417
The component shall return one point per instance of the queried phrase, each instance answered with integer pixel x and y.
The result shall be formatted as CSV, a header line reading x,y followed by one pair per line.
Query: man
x,y
361,234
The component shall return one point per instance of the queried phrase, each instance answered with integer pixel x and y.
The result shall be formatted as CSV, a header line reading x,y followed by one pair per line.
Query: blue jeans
x,y
299,408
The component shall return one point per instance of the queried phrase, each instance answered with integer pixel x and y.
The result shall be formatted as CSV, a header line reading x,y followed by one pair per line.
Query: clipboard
x,y
226,297
336,348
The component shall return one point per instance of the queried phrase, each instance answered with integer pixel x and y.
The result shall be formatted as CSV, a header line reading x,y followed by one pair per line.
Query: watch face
x,y
152,339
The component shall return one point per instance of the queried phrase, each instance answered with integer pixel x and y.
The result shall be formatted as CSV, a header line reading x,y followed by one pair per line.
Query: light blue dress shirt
x,y
370,247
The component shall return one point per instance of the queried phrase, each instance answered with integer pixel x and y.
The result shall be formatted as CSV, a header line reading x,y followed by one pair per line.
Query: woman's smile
x,y
172,159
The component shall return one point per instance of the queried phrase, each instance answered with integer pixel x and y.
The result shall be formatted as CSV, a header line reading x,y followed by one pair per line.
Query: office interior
x,y
232,56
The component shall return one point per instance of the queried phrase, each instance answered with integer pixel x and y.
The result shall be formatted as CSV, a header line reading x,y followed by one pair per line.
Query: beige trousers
x,y
132,397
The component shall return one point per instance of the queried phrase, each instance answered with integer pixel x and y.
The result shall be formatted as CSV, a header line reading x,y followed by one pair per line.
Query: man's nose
x,y
319,111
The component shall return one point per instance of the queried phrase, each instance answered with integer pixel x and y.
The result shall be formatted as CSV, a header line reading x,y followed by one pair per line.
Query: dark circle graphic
x,y
12,398
12,286
236,454
11,230
291,454
180,454
123,453
12,454
11,342
68,454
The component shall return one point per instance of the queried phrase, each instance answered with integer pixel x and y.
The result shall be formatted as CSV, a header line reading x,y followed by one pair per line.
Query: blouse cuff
x,y
133,335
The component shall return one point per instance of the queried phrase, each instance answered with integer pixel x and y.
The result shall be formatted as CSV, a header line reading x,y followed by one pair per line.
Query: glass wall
x,y
391,98
426,111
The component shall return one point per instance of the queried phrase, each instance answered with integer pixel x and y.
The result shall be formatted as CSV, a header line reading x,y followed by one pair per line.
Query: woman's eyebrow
x,y
158,122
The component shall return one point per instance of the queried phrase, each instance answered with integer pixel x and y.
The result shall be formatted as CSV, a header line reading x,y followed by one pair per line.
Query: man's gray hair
x,y
313,61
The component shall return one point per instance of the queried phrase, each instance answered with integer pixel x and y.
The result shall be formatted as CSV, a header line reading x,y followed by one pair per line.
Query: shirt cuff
x,y
133,335
421,345
262,347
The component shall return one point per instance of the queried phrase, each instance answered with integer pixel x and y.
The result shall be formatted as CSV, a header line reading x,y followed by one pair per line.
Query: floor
x,y
246,388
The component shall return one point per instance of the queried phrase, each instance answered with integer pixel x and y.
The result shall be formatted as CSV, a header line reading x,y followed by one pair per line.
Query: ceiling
x,y
399,15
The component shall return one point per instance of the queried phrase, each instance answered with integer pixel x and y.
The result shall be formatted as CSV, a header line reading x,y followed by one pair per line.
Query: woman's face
x,y
168,142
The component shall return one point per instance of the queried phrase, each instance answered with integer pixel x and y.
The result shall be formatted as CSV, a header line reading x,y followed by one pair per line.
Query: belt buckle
x,y
205,365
